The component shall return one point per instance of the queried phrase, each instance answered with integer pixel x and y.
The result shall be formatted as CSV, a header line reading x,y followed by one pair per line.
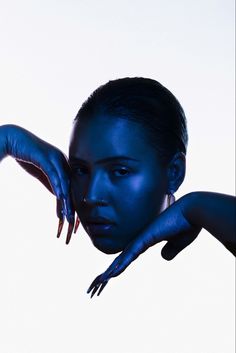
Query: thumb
x,y
169,251
174,246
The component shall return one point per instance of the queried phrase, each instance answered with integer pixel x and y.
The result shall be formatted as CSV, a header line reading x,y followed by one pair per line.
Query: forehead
x,y
107,136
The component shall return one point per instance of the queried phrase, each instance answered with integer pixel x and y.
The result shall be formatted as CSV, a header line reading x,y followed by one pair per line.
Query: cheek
x,y
141,196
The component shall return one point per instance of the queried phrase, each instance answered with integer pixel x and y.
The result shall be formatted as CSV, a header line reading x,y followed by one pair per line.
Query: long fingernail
x,y
69,232
94,290
76,224
102,287
60,226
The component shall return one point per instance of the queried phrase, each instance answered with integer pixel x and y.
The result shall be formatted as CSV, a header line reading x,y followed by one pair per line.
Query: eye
x,y
120,172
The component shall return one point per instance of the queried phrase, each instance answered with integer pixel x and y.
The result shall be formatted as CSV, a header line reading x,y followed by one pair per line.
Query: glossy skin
x,y
43,161
179,225
130,193
171,225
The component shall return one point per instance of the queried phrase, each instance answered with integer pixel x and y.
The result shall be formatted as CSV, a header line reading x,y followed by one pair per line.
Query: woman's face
x,y
118,185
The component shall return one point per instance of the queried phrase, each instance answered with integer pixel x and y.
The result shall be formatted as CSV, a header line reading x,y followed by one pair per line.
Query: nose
x,y
96,191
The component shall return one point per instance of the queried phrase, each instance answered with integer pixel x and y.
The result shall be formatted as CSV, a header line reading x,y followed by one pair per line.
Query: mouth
x,y
99,220
99,226
98,229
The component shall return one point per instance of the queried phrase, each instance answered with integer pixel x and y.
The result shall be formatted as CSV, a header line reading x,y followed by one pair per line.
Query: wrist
x,y
3,141
191,207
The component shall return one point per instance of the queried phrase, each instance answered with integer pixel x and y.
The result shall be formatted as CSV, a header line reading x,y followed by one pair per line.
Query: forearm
x,y
3,141
216,213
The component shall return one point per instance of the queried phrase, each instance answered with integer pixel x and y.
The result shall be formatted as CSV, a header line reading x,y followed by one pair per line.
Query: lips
x,y
99,220
99,225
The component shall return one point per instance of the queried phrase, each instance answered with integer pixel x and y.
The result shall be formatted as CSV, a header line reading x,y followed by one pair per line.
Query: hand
x,y
171,225
48,164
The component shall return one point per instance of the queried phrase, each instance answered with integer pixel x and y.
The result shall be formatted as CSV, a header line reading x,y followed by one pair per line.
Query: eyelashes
x,y
114,171
119,172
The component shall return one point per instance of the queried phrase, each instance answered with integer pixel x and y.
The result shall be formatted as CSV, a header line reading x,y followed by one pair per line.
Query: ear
x,y
176,172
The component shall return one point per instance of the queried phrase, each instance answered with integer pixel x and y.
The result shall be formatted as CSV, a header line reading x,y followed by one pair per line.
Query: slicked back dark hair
x,y
144,101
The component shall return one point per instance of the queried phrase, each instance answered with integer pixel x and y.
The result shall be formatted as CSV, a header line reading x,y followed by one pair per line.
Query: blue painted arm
x,y
43,161
179,225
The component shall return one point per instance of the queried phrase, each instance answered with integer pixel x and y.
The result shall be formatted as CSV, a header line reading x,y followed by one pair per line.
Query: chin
x,y
106,247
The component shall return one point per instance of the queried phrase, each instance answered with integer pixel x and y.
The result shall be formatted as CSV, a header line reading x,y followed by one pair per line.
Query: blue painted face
x,y
118,184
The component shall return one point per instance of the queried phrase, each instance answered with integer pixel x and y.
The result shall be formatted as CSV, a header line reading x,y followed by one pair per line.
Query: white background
x,y
53,55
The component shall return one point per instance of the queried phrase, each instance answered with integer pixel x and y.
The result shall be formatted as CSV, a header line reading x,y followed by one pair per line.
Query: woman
x,y
126,161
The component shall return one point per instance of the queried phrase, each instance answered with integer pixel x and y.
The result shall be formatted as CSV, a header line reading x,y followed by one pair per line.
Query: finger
x,y
174,246
76,224
53,178
59,177
116,268
60,226
68,211
102,287
94,290
59,208
63,170
168,251
120,264
94,283
70,230
52,172
68,205
55,183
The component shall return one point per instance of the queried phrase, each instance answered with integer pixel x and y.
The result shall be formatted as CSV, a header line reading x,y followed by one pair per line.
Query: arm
x,y
28,167
3,149
179,225
45,162
214,212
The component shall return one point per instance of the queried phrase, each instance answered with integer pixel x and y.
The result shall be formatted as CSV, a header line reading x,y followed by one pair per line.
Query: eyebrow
x,y
104,160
